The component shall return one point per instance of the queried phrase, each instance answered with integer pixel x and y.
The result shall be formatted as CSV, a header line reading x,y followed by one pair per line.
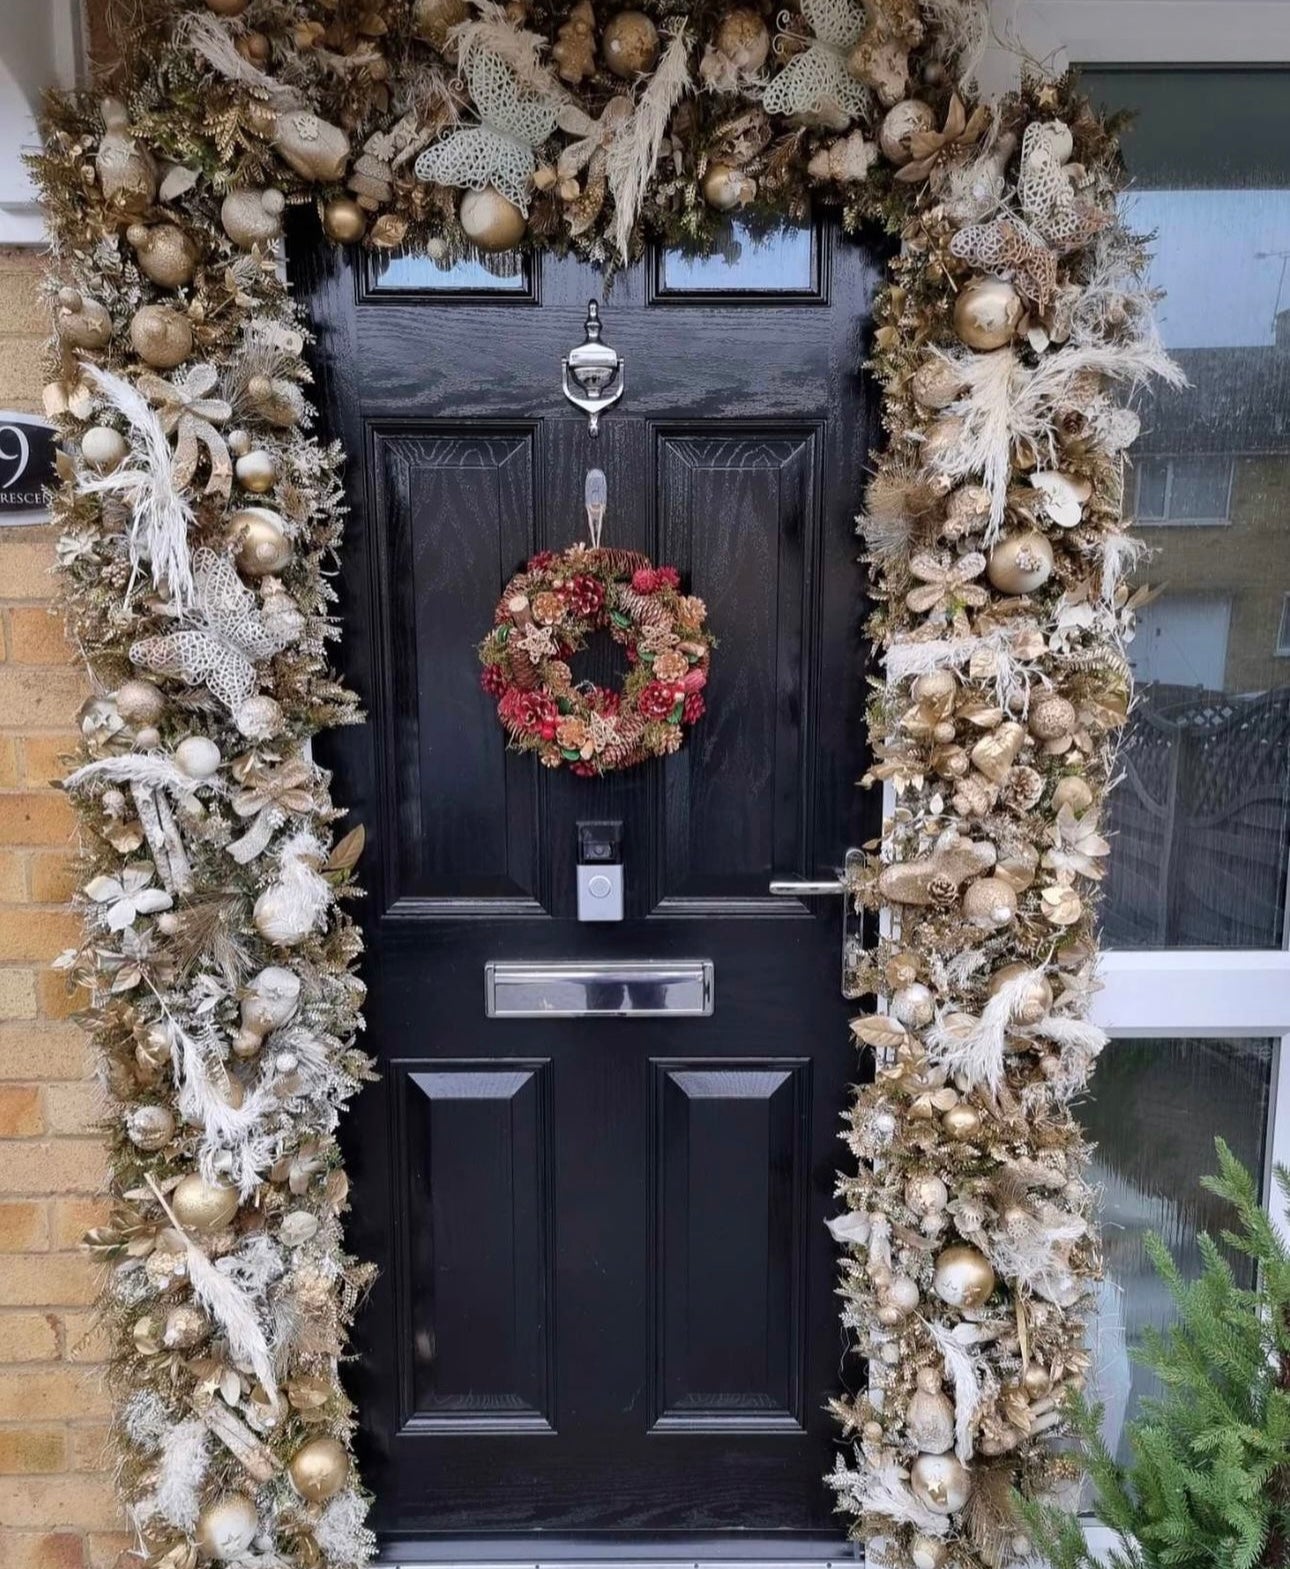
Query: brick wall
x,y
56,1504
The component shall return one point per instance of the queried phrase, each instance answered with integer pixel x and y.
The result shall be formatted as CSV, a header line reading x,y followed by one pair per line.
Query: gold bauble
x,y
743,37
150,1128
433,19
227,7
256,471
936,686
164,252
630,44
319,1469
725,188
940,1482
927,1552
926,1194
987,313
226,1528
1037,1001
490,221
1074,792
963,1278
260,718
1052,717
902,121
103,449
252,217
161,336
140,702
936,383
1021,563
81,323
344,221
203,1206
961,1122
262,544
1036,1381
913,1005
989,903
186,1326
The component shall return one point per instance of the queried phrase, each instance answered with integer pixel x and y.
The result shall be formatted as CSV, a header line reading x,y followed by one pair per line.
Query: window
x,y
1184,490
1197,976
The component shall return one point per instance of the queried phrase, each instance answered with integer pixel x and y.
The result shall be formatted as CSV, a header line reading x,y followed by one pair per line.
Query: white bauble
x,y
941,1482
198,757
260,718
226,1528
103,448
963,1278
279,918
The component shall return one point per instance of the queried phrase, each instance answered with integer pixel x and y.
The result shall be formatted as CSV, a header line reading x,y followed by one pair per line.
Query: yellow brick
x,y
53,1166
24,1226
117,1551
36,636
72,1218
21,1116
13,877
37,934
44,1550
85,1337
45,759
57,1500
8,762
52,1395
27,565
55,999
17,995
57,1051
52,876
32,1451
22,309
40,699
89,1446
36,817
22,370
73,1108
29,1337
48,1280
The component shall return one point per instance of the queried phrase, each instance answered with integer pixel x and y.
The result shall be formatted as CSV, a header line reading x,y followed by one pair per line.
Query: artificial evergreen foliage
x,y
1209,1481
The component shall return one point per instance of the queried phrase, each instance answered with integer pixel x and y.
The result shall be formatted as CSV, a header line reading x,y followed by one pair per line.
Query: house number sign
x,y
26,467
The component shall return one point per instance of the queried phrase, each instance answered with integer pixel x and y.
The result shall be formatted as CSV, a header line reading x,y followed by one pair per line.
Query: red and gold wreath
x,y
546,615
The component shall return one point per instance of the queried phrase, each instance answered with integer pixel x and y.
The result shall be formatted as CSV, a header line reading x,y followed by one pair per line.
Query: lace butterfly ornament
x,y
499,150
816,83
222,635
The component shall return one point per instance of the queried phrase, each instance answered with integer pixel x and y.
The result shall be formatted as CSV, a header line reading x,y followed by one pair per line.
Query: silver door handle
x,y
808,888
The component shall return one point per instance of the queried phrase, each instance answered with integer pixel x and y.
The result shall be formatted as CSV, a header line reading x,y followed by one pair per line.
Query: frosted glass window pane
x,y
404,270
1154,1111
1202,817
781,261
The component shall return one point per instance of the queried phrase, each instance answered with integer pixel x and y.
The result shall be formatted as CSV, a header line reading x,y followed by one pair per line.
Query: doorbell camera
x,y
600,871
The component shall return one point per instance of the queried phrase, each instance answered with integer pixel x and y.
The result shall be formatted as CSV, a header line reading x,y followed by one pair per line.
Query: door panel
x,y
605,1310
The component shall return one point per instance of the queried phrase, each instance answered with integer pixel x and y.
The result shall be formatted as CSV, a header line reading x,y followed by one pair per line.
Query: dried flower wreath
x,y
197,514
547,613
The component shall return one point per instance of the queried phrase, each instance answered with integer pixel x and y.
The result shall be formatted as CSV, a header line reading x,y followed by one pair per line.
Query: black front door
x,y
606,1308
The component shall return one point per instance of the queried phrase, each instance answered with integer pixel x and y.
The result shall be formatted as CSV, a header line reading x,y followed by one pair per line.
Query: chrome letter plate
x,y
642,989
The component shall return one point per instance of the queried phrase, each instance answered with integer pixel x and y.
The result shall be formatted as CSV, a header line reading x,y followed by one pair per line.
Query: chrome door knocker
x,y
593,373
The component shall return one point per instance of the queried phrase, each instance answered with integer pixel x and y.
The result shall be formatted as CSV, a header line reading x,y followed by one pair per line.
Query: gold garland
x,y
197,513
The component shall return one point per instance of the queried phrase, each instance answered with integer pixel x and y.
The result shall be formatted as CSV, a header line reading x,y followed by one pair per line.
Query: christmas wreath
x,y
548,612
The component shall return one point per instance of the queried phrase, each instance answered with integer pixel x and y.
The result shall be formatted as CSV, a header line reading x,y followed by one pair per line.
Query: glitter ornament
x,y
937,383
312,147
743,38
929,1416
962,1278
630,44
1052,717
901,123
126,171
140,702
989,903
252,217
165,253
260,718
203,1206
161,336
186,1326
926,1194
81,323
150,1128
432,20
1037,1002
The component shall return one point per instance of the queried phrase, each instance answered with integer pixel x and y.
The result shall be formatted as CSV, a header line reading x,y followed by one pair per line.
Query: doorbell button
x,y
599,887
600,893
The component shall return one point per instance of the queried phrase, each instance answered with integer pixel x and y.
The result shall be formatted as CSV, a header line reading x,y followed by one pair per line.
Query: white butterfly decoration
x,y
221,636
817,82
499,151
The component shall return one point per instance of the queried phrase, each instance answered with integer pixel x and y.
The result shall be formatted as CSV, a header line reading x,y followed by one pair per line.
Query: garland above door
x,y
197,517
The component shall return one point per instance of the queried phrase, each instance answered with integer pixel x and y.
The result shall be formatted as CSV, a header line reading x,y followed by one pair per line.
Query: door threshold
x,y
537,1553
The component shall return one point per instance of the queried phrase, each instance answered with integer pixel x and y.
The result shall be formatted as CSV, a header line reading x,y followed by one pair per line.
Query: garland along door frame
x,y
606,1305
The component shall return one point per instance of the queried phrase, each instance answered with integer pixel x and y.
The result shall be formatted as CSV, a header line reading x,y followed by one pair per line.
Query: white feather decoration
x,y
971,1381
883,1490
976,1053
151,770
161,515
214,42
342,1533
185,1457
634,150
